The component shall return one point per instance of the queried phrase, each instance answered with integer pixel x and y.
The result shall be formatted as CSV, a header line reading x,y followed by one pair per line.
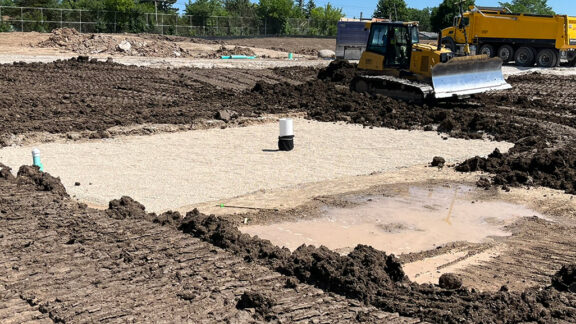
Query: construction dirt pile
x,y
230,50
70,39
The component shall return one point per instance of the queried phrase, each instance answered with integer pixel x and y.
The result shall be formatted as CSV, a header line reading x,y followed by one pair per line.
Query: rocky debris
x,y
124,46
326,54
70,39
43,181
565,278
226,115
438,161
450,281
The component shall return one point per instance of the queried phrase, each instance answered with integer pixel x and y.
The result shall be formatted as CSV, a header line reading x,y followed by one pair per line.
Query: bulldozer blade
x,y
464,76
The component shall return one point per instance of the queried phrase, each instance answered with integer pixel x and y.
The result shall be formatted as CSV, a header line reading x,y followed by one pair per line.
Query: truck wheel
x,y
547,58
506,53
524,56
571,56
449,43
487,49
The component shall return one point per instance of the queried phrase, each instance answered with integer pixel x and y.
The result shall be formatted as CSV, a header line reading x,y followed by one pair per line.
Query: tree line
x,y
442,16
271,16
275,16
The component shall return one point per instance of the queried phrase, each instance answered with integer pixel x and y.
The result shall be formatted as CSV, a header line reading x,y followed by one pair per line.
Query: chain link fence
x,y
25,19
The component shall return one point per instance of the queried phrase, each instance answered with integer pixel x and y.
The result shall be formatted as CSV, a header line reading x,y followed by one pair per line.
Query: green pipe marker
x,y
36,159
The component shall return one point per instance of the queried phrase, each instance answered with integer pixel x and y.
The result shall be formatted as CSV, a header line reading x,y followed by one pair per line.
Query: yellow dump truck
x,y
523,38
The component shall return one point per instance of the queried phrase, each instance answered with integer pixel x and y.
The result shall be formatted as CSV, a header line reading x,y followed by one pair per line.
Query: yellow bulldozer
x,y
397,65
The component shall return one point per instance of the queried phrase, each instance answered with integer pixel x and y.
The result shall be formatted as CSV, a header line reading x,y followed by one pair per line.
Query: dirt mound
x,y
126,207
227,51
449,281
260,302
6,172
340,71
72,40
41,180
300,51
539,165
565,278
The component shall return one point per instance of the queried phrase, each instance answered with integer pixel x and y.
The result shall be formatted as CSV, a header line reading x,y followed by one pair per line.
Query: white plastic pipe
x,y
36,159
286,127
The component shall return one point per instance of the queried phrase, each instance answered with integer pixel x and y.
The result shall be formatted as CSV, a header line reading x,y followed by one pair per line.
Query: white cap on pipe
x,y
286,127
35,152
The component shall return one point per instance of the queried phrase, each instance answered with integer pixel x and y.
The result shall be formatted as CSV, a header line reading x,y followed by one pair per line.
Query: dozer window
x,y
378,39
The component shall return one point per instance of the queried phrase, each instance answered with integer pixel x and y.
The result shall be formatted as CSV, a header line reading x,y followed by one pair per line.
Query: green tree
x,y
422,16
325,19
277,13
539,7
119,5
6,3
443,15
240,8
391,9
310,5
37,3
83,4
205,8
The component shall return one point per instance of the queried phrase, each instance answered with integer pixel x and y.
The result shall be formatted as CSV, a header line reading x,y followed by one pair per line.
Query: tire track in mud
x,y
69,263
536,250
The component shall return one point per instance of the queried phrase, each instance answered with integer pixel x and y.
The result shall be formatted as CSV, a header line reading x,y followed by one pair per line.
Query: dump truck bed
x,y
558,31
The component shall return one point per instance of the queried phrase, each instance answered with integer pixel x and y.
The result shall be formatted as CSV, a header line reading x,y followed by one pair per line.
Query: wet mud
x,y
373,277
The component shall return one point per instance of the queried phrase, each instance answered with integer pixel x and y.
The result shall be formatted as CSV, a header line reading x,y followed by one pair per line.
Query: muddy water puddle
x,y
416,220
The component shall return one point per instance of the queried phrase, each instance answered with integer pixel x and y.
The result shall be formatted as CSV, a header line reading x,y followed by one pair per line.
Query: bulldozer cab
x,y
394,42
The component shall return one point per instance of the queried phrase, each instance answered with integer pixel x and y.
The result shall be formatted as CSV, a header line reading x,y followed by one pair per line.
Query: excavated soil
x,y
230,50
68,263
136,267
80,95
62,262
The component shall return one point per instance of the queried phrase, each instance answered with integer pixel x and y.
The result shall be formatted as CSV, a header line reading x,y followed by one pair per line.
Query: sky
x,y
352,8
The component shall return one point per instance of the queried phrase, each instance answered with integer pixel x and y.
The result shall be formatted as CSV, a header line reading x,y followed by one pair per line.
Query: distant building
x,y
352,36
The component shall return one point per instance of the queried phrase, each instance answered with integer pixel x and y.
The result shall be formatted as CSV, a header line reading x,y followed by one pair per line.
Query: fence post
x,y
265,31
162,23
115,29
61,23
80,20
22,19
